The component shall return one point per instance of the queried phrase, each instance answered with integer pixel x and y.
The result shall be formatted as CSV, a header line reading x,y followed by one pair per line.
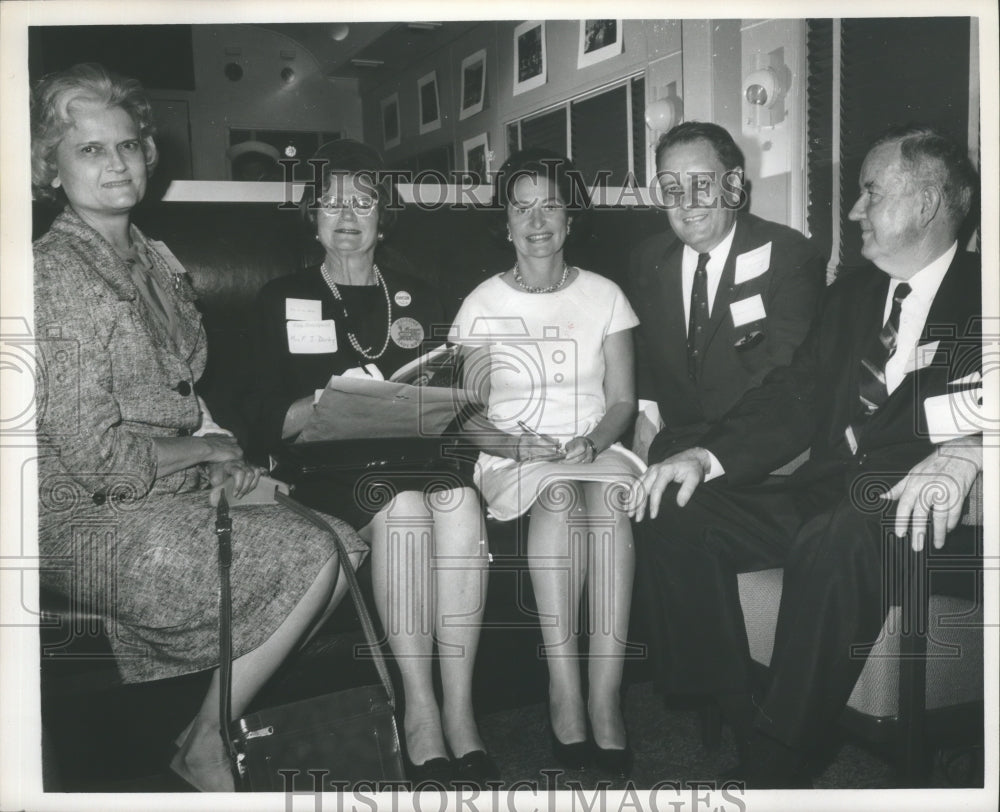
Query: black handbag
x,y
330,742
295,462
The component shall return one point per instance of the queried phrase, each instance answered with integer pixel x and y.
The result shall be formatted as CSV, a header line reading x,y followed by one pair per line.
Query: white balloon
x,y
661,115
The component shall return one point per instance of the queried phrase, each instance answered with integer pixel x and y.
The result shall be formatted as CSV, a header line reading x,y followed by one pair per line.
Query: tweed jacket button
x,y
99,498
183,388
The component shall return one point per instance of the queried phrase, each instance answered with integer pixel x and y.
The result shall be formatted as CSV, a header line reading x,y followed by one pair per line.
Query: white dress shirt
x,y
923,288
924,285
716,262
689,263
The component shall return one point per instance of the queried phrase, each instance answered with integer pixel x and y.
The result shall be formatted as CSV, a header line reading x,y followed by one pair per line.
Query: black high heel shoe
x,y
435,772
475,767
573,756
613,762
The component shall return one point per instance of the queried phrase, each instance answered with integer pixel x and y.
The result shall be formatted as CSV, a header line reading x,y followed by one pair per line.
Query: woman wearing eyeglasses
x,y
356,313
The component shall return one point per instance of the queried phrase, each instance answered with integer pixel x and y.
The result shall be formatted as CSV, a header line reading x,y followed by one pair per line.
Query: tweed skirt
x,y
150,568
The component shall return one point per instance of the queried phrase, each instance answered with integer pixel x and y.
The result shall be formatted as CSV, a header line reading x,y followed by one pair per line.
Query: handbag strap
x,y
223,529
367,626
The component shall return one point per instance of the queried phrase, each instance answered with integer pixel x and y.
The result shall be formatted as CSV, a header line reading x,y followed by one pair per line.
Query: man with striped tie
x,y
884,392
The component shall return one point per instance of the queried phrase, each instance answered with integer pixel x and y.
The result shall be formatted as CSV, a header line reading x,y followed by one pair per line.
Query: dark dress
x,y
138,548
417,325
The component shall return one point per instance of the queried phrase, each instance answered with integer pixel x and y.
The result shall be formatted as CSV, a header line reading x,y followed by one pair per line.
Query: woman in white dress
x,y
548,347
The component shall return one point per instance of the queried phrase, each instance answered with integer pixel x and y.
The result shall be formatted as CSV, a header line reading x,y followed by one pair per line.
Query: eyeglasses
x,y
362,206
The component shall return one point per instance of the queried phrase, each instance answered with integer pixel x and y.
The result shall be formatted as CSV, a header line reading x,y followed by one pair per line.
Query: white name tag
x,y
955,415
303,309
923,355
753,263
312,337
747,310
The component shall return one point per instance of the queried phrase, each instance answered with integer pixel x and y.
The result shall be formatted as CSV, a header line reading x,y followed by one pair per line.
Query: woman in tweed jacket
x,y
125,522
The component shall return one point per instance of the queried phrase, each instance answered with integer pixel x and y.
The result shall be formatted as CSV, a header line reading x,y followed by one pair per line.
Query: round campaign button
x,y
407,333
403,298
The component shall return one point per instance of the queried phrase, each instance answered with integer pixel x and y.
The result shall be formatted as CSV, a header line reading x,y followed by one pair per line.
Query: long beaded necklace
x,y
531,289
353,339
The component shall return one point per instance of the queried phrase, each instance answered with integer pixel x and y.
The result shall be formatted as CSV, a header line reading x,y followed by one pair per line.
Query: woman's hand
x,y
533,447
220,448
580,449
177,453
243,475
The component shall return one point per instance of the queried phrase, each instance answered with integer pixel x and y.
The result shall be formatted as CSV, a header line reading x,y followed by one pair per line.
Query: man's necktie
x,y
698,318
871,380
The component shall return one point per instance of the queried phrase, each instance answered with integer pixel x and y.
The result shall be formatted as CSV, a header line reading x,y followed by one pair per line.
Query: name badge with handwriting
x,y
312,337
752,264
303,309
747,310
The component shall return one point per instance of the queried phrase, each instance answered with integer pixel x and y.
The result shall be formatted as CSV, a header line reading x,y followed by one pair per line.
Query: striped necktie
x,y
698,317
871,381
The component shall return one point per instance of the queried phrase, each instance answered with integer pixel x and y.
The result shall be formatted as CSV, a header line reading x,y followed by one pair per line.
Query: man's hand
x,y
689,468
935,489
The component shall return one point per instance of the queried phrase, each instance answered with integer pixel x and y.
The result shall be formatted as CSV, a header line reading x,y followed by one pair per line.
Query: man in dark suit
x,y
884,393
722,299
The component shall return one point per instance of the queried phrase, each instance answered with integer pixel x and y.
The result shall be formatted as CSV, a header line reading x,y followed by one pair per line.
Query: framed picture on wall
x,y
599,40
529,56
390,121
477,157
430,108
473,84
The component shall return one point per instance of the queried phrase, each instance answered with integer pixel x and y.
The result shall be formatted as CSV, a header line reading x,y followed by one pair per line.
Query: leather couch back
x,y
231,250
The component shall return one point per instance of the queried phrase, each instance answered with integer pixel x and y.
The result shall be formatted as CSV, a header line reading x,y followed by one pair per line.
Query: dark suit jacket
x,y
810,402
735,358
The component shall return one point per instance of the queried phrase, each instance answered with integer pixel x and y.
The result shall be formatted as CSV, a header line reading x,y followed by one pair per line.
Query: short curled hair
x,y
536,162
728,152
52,98
928,155
349,158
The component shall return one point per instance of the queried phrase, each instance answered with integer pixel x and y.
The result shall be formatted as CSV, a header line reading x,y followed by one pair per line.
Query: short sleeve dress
x,y
408,309
546,369
138,548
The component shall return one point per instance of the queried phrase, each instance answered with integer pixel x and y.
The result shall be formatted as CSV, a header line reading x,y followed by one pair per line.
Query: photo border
x,y
428,126
469,144
613,49
476,107
541,78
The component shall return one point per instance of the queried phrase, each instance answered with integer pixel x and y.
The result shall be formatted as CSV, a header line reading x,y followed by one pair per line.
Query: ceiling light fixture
x,y
367,63
424,26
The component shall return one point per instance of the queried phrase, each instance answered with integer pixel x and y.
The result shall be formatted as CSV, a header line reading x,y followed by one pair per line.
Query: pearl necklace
x,y
353,339
531,289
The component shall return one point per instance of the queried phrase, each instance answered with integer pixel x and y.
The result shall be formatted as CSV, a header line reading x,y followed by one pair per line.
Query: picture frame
x,y
429,102
390,121
530,68
476,161
473,84
599,40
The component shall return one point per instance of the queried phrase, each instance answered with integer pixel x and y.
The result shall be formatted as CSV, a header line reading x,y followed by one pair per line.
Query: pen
x,y
525,427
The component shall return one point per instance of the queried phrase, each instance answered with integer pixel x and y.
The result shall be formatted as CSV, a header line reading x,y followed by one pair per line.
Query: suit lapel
x,y
948,322
727,282
668,288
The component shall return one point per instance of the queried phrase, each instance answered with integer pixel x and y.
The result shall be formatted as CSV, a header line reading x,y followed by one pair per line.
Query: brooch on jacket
x,y
749,340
